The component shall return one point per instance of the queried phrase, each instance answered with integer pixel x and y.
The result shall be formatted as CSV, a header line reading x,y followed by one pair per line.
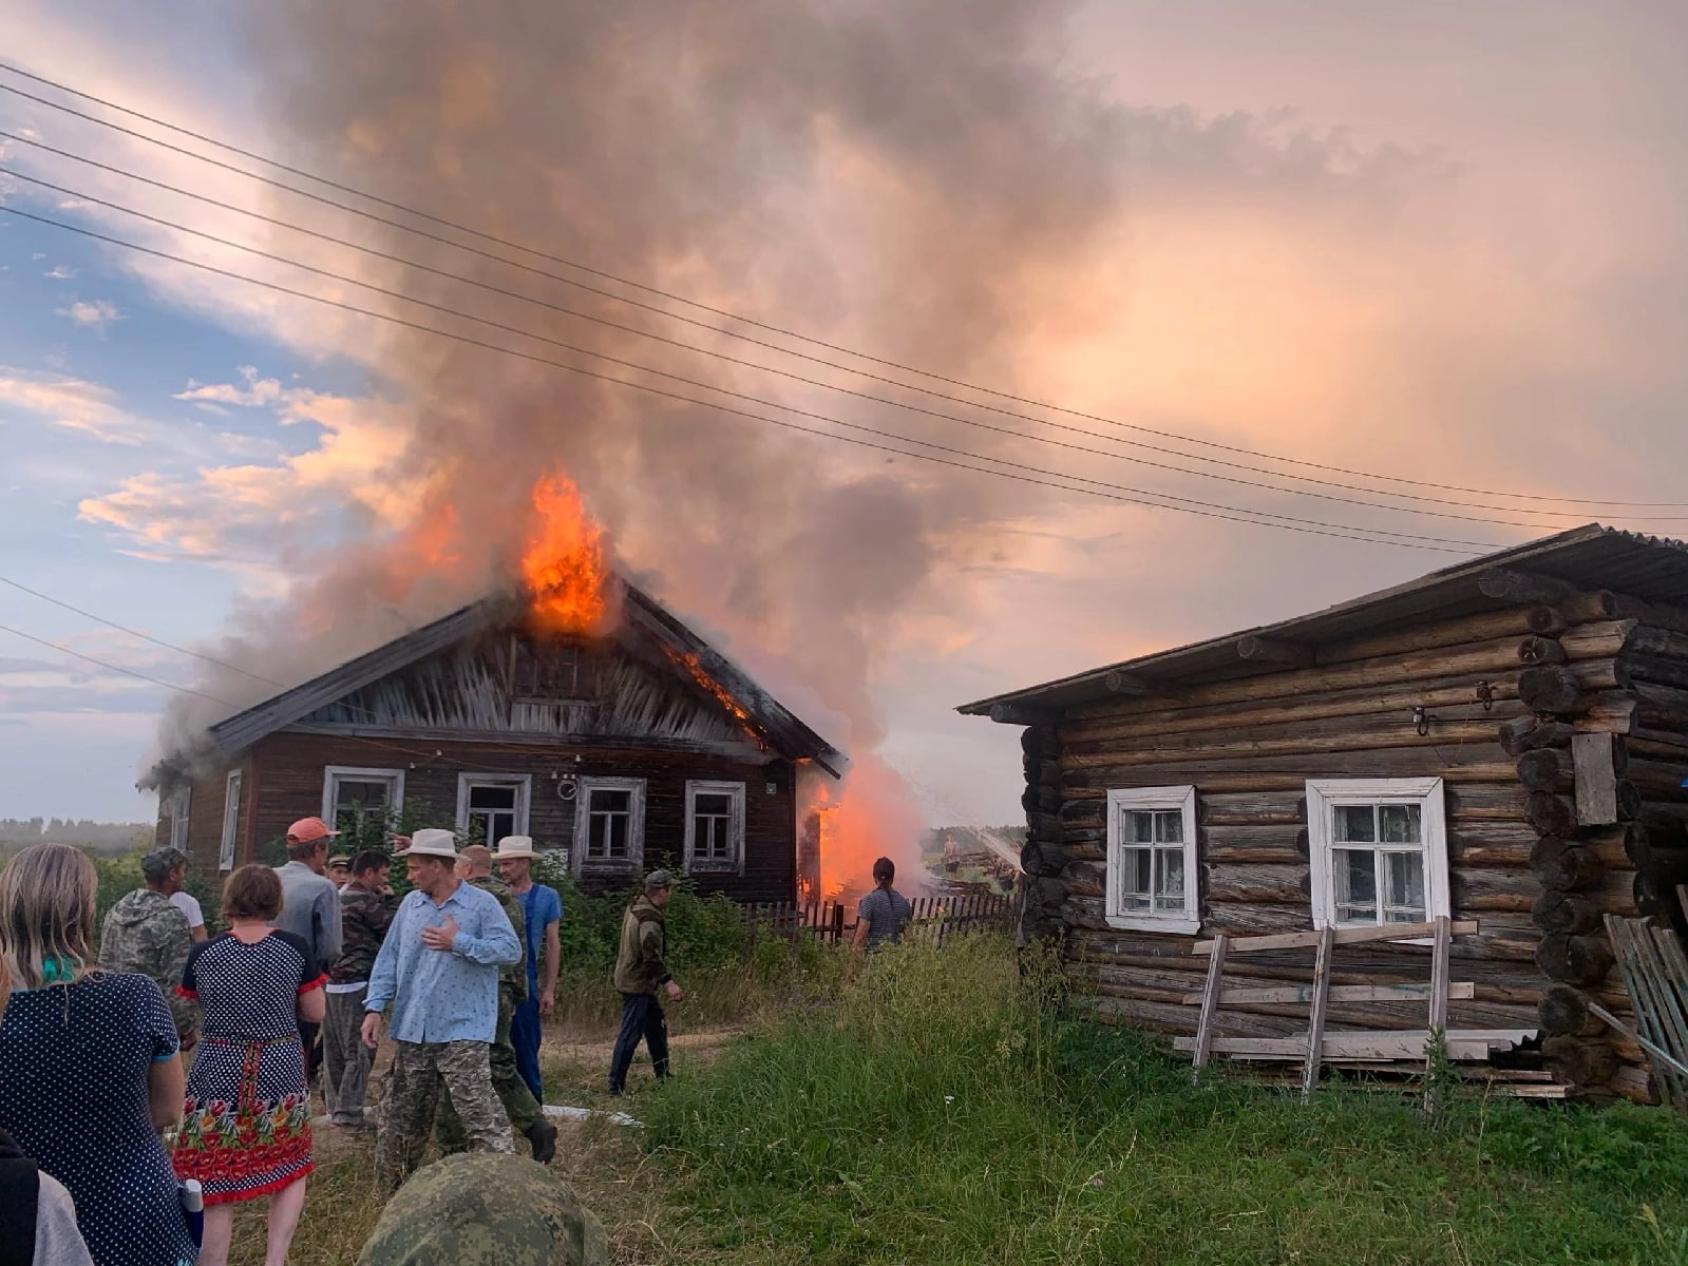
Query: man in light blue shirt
x,y
437,975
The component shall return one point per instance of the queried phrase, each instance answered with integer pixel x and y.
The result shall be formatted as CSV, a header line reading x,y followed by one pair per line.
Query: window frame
x,y
228,844
333,774
634,861
1326,795
177,808
1182,800
523,784
733,863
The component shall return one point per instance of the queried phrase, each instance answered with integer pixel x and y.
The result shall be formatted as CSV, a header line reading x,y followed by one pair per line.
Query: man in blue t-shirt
x,y
542,913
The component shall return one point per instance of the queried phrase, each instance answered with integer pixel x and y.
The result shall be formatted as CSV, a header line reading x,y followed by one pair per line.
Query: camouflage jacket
x,y
512,974
364,916
144,933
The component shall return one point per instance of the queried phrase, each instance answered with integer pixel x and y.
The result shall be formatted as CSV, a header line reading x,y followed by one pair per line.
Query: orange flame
x,y
563,564
873,816
694,666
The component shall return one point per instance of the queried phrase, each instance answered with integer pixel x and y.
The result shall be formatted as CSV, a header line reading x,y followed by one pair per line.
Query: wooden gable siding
x,y
1249,743
505,681
206,801
291,785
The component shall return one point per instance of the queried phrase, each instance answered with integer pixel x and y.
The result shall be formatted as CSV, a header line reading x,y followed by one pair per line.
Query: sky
x,y
1437,243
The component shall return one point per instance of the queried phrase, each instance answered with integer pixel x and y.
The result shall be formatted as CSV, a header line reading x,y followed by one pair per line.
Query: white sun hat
x,y
515,846
431,842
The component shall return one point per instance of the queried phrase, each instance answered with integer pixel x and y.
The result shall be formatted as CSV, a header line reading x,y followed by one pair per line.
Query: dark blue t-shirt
x,y
541,907
74,1064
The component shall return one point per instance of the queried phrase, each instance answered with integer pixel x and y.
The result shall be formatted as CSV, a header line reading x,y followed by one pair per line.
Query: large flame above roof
x,y
563,564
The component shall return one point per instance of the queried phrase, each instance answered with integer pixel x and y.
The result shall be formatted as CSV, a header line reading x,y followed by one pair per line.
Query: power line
x,y
721,312
1094,487
145,637
118,668
639,367
772,369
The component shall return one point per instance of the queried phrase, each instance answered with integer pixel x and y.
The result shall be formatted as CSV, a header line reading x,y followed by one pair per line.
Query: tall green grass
x,y
944,1112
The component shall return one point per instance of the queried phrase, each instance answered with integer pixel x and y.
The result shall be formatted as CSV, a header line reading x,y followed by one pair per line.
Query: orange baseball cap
x,y
308,830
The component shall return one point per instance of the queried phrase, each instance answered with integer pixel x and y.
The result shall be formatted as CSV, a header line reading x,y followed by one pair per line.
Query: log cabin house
x,y
639,748
1503,741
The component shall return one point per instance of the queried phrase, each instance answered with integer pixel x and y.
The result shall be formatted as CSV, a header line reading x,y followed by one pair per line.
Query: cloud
x,y
60,272
235,514
257,393
92,314
73,404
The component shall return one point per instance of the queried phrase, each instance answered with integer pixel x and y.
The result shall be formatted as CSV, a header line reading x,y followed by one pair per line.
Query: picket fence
x,y
935,918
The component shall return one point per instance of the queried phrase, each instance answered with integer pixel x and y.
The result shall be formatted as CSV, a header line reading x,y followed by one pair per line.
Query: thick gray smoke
x,y
918,179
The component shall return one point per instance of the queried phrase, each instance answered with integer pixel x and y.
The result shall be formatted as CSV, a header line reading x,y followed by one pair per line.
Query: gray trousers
x,y
345,1059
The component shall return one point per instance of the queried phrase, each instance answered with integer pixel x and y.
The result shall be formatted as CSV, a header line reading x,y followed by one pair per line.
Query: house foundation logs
x,y
1619,841
1043,858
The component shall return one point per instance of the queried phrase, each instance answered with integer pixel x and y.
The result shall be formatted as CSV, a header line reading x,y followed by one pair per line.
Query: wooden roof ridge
x,y
785,732
1590,556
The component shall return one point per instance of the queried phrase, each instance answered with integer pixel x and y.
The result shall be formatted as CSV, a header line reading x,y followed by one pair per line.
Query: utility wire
x,y
668,313
639,367
784,373
145,637
118,668
1094,487
236,707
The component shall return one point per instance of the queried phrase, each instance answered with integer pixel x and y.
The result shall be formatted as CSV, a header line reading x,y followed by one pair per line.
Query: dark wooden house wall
x,y
283,781
1521,861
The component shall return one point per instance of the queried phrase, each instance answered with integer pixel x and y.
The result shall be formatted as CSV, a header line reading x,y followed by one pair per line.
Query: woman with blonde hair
x,y
247,1130
89,1069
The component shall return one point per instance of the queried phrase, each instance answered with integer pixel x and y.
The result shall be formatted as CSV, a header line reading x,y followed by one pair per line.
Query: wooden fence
x,y
934,919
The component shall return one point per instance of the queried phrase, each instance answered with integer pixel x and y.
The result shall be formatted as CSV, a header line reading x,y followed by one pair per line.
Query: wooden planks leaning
x,y
1315,1048
1655,974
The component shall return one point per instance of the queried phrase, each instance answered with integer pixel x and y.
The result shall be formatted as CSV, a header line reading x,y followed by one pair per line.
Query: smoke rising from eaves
x,y
921,180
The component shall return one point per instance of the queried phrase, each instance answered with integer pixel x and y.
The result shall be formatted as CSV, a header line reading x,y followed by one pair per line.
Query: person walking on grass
x,y
641,970
366,908
89,1065
146,933
437,972
246,1122
525,1112
883,913
542,914
310,909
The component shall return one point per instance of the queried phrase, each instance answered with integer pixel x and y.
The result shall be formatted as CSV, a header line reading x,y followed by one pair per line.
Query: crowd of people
x,y
114,1154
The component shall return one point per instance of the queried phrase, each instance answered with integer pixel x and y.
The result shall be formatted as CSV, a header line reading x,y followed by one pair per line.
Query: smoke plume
x,y
923,180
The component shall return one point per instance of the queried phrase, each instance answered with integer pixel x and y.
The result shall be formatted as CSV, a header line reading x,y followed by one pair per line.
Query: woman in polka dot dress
x,y
246,1130
89,1070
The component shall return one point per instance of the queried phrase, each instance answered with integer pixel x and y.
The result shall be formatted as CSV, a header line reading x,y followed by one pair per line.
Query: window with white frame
x,y
354,796
231,821
496,804
1378,850
1151,879
609,823
715,826
176,813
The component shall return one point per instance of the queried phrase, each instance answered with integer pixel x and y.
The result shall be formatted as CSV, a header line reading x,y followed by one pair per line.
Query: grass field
x,y
939,1111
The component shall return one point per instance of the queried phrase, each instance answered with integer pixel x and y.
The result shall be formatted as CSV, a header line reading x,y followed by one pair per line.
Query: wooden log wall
x,y
1610,703
1561,732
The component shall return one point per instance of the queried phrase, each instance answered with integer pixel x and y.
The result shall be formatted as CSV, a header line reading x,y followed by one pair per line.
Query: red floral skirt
x,y
246,1125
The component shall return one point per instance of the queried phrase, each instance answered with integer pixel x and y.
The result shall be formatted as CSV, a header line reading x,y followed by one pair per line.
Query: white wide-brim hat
x,y
514,846
431,842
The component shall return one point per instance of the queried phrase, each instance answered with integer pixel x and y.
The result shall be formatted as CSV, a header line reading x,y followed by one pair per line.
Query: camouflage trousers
x,y
413,1091
519,1104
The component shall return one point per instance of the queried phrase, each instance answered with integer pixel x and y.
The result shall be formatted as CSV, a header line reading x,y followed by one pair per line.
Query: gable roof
x,y
1588,557
641,615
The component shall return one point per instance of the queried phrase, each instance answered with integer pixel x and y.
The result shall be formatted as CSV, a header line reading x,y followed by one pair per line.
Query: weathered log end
x,y
1544,768
1564,1012
1536,649
1564,913
1575,960
1582,1061
1564,866
1551,688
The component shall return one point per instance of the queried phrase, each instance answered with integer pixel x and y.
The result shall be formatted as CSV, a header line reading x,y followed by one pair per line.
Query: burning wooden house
x,y
634,746
1503,741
